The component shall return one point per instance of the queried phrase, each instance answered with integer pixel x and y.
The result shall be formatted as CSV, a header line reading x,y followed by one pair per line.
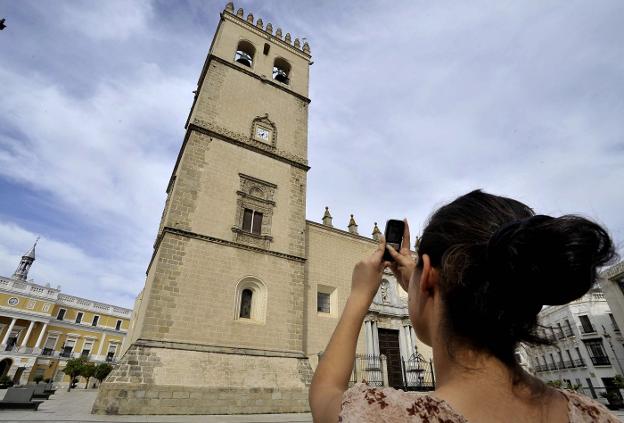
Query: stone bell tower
x,y
219,328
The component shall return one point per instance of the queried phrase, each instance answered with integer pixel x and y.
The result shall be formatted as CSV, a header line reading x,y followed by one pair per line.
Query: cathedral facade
x,y
242,292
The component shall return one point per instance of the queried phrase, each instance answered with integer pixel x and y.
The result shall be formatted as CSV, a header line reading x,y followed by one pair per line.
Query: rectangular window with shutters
x,y
252,221
586,324
597,352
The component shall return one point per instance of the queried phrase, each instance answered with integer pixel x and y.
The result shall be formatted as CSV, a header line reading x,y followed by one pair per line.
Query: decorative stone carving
x,y
257,195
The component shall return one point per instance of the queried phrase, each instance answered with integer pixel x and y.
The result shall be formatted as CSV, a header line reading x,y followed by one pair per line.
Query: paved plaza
x,y
75,406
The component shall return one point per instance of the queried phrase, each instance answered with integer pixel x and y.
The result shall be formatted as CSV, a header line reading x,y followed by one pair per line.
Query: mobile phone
x,y
394,236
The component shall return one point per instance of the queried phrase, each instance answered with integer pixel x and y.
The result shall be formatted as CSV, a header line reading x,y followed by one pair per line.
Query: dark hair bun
x,y
550,261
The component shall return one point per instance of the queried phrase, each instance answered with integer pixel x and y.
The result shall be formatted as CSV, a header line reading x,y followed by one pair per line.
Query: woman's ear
x,y
428,277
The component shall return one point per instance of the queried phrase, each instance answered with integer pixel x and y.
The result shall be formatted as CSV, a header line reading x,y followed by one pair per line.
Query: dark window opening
x,y
245,308
266,48
79,317
281,71
323,302
95,320
614,323
118,325
61,314
586,324
252,221
597,353
245,53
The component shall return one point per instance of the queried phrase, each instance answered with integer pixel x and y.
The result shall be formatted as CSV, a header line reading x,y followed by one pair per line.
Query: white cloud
x,y
106,20
412,105
71,268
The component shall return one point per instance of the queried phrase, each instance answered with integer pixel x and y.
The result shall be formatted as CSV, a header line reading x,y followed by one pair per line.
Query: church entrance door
x,y
389,346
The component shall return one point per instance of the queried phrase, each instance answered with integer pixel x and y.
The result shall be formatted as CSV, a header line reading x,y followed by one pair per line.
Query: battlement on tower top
x,y
278,36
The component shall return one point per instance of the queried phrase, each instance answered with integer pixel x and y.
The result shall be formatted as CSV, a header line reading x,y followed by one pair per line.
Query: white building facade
x,y
588,349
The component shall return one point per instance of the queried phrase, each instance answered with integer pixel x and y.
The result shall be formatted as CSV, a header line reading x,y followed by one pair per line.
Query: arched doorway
x,y
5,365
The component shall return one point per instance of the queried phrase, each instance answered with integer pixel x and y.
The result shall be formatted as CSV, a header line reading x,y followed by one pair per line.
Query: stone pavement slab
x,y
75,406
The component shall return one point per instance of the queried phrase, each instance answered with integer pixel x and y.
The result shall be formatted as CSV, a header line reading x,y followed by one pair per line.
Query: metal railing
x,y
601,360
366,367
579,362
418,374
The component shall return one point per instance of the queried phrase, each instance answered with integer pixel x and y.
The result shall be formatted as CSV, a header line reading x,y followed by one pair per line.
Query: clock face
x,y
262,133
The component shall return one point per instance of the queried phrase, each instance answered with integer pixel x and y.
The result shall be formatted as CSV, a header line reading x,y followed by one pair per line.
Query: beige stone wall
x,y
204,195
331,256
191,297
231,31
175,381
230,99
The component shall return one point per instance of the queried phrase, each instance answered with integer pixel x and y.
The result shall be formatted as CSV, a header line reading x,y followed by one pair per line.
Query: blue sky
x,y
413,103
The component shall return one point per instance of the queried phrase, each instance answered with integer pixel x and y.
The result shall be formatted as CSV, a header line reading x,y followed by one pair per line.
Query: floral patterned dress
x,y
362,403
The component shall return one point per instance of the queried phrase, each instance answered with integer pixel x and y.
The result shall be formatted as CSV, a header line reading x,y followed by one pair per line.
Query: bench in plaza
x,y
19,398
41,392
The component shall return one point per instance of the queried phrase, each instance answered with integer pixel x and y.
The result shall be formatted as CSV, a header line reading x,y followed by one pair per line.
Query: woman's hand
x,y
404,264
367,274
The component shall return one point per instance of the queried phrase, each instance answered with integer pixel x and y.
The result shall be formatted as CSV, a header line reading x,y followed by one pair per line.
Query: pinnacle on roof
x,y
353,226
31,252
376,232
327,218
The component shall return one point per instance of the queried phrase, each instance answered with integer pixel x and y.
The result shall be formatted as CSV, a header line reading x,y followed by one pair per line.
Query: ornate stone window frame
x,y
257,195
267,124
258,300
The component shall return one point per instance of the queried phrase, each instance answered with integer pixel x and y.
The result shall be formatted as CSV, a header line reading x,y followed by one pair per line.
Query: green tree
x,y
102,370
73,368
87,371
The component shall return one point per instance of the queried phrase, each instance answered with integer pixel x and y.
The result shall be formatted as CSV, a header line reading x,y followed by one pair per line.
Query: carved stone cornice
x,y
189,234
221,349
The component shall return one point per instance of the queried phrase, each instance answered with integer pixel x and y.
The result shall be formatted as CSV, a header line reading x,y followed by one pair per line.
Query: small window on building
x,y
326,300
250,301
61,314
68,347
245,53
112,349
281,71
86,349
118,325
586,324
95,321
323,304
245,306
79,317
252,221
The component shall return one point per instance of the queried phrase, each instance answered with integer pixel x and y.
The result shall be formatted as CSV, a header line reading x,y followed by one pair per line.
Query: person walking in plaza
x,y
484,267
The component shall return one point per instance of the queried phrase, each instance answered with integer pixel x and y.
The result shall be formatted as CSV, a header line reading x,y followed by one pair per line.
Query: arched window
x,y
245,53
245,306
281,70
251,298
